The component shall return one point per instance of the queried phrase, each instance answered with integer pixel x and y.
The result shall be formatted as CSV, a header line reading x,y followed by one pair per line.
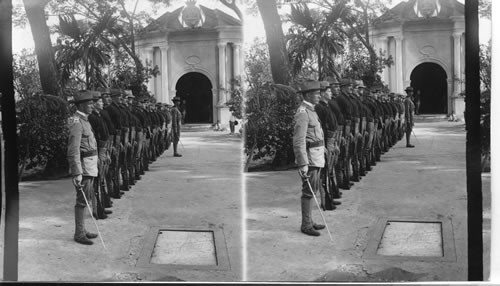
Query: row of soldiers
x,y
125,134
341,130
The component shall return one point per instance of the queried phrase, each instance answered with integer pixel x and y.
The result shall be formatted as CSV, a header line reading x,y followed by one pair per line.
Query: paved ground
x,y
201,189
425,182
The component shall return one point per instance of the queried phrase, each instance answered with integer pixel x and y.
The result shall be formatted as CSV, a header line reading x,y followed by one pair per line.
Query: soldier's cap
x,y
83,96
96,95
360,84
345,82
409,89
308,85
115,92
176,99
332,80
324,85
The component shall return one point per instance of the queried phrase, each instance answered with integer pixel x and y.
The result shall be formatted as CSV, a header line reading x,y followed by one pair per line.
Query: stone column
x,y
150,63
399,64
385,48
164,75
222,72
237,60
456,63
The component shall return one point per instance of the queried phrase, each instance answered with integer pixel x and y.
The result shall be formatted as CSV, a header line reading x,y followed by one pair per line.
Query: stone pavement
x,y
201,189
426,182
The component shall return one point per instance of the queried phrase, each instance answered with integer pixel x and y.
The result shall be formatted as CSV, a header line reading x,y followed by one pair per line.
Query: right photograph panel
x,y
356,142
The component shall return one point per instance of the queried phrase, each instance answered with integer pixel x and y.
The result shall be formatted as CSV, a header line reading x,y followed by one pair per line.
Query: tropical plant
x,y
42,133
83,51
314,40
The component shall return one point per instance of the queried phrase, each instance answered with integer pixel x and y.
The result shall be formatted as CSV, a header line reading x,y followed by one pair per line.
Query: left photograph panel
x,y
128,141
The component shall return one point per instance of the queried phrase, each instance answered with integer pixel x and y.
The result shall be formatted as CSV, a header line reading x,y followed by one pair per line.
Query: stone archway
x,y
195,91
431,80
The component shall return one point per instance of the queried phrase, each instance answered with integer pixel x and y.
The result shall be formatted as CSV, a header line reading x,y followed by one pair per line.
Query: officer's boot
x,y
307,225
81,235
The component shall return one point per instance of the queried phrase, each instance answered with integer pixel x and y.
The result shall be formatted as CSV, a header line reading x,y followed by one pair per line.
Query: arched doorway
x,y
195,91
430,80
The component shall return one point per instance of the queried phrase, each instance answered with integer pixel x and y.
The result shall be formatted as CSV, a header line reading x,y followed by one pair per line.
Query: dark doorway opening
x,y
430,80
195,91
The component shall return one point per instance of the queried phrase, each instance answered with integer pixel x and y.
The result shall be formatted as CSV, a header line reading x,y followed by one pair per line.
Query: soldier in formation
x,y
113,137
341,130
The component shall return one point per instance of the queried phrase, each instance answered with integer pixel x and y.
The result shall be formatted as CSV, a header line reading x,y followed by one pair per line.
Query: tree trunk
x,y
280,68
35,10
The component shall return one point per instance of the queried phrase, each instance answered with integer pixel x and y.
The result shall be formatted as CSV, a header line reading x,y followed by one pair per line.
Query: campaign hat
x,y
308,85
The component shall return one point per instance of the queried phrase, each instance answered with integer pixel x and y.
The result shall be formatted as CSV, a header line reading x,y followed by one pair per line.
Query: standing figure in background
x,y
409,110
232,122
176,125
182,109
417,102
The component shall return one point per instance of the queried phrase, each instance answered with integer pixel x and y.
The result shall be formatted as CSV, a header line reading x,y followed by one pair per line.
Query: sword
x,y
306,178
79,186
412,131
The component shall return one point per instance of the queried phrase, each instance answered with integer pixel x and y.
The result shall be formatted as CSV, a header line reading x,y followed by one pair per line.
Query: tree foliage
x,y
314,40
269,110
42,132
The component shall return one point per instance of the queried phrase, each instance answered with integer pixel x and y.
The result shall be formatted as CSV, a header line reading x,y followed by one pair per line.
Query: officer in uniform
x,y
309,150
409,110
82,160
176,124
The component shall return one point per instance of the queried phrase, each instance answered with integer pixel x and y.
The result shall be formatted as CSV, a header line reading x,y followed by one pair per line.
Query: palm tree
x,y
314,39
84,50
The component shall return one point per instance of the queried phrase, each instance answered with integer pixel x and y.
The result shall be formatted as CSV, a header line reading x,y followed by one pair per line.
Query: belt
x,y
315,144
88,154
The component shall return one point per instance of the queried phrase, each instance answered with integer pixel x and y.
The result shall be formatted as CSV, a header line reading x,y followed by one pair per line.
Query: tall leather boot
x,y
81,235
307,225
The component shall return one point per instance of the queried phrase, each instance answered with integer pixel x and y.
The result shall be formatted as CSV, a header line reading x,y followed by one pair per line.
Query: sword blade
x,y
317,204
93,219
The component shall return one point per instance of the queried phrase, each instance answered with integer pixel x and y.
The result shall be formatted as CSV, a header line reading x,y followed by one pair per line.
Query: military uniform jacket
x,y
409,109
82,147
335,108
328,120
176,122
308,132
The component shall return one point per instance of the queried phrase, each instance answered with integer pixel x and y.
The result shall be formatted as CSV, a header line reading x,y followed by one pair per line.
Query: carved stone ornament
x,y
427,50
191,15
193,60
427,8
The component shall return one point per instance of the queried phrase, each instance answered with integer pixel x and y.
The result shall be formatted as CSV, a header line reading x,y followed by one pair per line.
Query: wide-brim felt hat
x,y
308,85
409,89
324,85
96,94
115,92
83,96
332,80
